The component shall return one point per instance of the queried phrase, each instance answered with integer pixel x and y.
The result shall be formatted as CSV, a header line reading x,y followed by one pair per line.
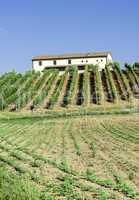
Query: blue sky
x,y
35,27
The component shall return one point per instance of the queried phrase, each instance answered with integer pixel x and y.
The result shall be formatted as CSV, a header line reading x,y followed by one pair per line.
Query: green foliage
x,y
57,92
132,78
86,87
103,195
64,166
123,187
74,74
10,89
34,88
16,188
98,86
7,86
111,84
26,93
12,163
136,66
127,94
24,84
7,78
119,186
21,91
40,82
45,91
93,148
131,70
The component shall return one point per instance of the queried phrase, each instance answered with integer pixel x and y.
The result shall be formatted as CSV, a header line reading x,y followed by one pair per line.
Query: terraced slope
x,y
74,158
108,88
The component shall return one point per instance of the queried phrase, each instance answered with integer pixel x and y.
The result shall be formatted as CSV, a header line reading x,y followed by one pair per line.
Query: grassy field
x,y
82,157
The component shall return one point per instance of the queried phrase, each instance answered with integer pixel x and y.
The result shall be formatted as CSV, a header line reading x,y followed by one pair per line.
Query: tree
x,y
136,66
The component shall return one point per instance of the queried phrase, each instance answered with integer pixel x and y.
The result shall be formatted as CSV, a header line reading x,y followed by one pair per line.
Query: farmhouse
x,y
39,63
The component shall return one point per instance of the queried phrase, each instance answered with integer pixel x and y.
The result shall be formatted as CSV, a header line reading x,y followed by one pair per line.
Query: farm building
x,y
39,63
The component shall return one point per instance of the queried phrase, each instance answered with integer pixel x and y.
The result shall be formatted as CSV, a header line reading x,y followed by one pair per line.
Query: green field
x,y
80,157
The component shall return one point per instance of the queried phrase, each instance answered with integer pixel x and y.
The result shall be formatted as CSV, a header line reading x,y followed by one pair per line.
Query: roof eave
x,y
69,57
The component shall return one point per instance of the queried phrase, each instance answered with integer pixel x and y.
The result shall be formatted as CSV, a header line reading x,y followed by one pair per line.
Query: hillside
x,y
83,146
91,89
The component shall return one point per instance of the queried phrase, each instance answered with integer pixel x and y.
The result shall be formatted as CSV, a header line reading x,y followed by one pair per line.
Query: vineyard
x,y
71,135
51,91
77,158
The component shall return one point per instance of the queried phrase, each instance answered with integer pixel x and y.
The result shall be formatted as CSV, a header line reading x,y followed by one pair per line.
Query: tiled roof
x,y
70,56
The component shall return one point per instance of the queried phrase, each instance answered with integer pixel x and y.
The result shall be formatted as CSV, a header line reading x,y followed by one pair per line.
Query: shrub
x,y
47,88
74,74
86,87
124,82
58,90
112,84
130,69
98,86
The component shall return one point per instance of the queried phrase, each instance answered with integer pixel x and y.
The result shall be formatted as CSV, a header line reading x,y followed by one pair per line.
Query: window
x,y
101,60
97,60
86,61
54,62
69,62
40,63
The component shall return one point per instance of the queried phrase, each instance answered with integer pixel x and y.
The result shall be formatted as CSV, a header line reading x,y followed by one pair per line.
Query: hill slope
x,y
71,90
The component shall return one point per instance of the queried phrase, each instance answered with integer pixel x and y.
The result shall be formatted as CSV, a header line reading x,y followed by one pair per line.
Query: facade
x,y
39,63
